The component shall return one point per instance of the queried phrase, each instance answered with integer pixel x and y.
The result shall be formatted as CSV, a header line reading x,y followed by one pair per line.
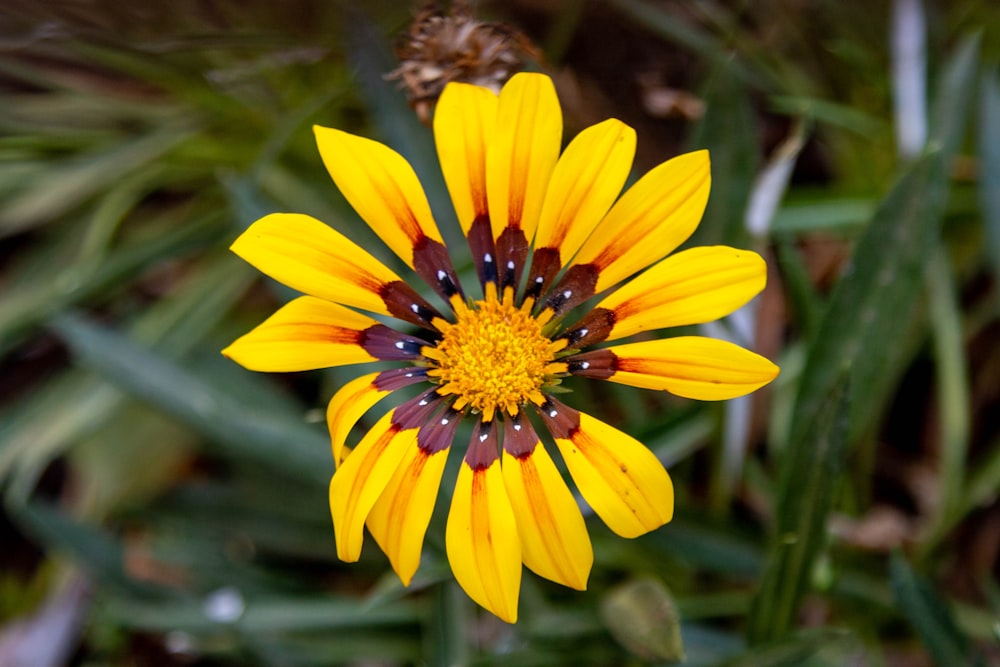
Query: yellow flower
x,y
522,206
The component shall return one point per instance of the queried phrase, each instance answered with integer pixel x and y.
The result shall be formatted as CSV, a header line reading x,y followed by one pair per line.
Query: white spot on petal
x,y
400,345
583,332
487,258
510,264
422,402
517,427
567,294
553,412
483,437
414,307
539,280
444,420
584,365
441,274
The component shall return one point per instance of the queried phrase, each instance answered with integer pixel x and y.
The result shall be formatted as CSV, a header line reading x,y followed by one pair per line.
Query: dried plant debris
x,y
442,47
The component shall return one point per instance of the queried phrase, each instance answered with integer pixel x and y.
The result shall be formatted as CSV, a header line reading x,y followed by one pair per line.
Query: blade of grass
x,y
97,553
26,308
69,185
953,397
72,406
728,131
824,647
810,473
269,615
929,616
847,214
199,401
448,630
873,304
984,483
805,303
769,189
989,161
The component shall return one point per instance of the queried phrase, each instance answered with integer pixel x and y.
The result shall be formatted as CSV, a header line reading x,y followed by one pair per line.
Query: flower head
x,y
443,47
547,233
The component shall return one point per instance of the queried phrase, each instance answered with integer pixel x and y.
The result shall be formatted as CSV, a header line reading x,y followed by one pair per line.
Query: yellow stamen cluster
x,y
494,357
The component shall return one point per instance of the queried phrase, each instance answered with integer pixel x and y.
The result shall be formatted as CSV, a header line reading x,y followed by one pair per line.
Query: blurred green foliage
x,y
843,516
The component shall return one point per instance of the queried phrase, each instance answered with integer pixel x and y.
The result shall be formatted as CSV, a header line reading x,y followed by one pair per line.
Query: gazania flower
x,y
547,232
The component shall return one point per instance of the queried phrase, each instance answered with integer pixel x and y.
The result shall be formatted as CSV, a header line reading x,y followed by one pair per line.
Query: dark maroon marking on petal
x,y
484,252
397,378
545,264
416,412
576,286
483,446
593,328
562,421
402,301
512,251
436,435
432,263
519,438
389,345
596,364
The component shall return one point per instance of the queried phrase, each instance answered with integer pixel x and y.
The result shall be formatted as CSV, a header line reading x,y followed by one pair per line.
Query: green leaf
x,y
953,98
199,400
448,631
71,407
99,554
729,132
824,647
810,473
66,186
33,303
272,614
982,486
929,616
847,214
875,301
989,161
829,113
953,394
870,311
673,28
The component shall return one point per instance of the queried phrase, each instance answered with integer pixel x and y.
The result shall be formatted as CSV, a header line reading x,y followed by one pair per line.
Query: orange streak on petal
x,y
482,541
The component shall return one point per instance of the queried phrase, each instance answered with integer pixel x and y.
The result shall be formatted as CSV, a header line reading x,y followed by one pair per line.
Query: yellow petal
x,y
309,256
346,407
652,218
619,478
381,186
399,519
691,366
356,397
523,152
587,179
481,537
463,121
360,480
554,538
305,334
690,287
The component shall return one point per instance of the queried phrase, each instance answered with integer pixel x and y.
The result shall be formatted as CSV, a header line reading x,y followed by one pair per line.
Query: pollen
x,y
494,357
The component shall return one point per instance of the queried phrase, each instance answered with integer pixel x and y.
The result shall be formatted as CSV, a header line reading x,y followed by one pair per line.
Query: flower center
x,y
494,357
